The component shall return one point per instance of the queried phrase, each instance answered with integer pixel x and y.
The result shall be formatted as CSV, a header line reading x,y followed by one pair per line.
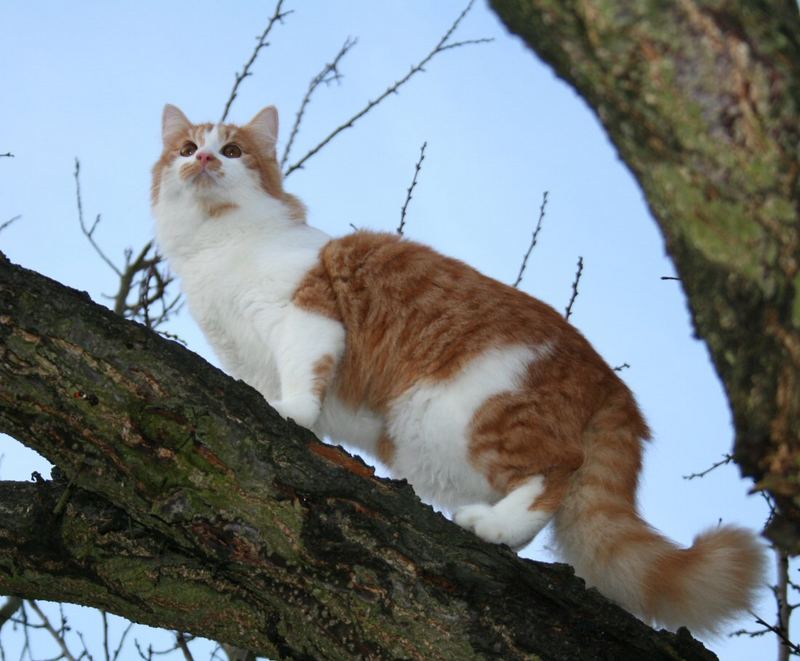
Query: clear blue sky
x,y
89,80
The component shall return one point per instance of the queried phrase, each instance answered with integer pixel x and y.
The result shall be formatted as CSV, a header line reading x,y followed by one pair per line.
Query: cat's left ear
x,y
264,127
173,123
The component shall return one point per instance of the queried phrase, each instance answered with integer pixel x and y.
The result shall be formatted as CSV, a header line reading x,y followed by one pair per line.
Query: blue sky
x,y
89,80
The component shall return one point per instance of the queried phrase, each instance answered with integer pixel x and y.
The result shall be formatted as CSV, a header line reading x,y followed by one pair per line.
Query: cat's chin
x,y
204,180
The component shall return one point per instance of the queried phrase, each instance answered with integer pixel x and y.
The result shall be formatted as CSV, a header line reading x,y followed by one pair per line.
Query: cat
x,y
485,399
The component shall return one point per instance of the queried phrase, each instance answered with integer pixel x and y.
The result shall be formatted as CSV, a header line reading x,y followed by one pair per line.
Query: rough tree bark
x,y
183,500
701,99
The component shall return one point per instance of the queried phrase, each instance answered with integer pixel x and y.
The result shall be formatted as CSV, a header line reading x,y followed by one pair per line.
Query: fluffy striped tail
x,y
600,533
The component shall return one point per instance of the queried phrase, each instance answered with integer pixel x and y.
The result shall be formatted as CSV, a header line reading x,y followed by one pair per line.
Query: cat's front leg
x,y
309,348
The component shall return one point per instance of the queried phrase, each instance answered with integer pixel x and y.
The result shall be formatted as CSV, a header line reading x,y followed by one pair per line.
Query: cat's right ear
x,y
173,123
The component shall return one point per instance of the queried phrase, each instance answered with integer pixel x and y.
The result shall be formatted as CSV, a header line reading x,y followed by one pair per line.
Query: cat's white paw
x,y
508,522
489,524
303,410
469,515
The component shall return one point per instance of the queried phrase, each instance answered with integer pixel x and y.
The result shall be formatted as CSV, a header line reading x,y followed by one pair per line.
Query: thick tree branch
x,y
185,496
701,98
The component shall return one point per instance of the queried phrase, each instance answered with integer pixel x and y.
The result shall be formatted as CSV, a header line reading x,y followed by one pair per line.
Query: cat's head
x,y
220,165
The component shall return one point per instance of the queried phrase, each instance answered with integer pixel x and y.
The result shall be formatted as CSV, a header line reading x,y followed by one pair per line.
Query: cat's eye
x,y
188,149
231,150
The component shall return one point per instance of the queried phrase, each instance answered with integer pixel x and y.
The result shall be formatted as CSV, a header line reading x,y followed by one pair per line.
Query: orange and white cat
x,y
486,400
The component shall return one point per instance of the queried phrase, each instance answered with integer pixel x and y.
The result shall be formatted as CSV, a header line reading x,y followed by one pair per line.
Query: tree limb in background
x,y
191,497
443,45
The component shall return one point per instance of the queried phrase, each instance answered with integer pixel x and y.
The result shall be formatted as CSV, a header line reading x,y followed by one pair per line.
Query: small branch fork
x,y
329,74
443,45
411,188
726,459
534,239
145,274
277,17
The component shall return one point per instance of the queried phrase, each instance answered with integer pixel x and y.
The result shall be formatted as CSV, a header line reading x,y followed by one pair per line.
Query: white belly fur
x,y
430,424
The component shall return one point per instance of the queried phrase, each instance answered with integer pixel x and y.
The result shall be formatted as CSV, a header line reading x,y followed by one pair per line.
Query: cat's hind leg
x,y
516,518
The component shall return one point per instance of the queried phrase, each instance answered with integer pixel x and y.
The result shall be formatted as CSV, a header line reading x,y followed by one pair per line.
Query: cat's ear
x,y
264,128
173,123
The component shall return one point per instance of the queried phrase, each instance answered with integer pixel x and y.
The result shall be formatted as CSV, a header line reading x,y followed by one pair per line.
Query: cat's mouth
x,y
199,175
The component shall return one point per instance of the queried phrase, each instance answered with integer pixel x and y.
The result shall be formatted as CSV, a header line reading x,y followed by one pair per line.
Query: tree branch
x,y
192,498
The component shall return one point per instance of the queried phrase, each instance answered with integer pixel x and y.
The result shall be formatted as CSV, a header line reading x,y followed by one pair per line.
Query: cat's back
x,y
414,315
384,276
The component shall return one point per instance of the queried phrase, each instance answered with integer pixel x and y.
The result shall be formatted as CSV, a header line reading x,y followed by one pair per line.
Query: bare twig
x,y
534,239
784,607
411,188
58,637
440,47
104,617
575,282
9,221
183,646
121,643
619,368
726,459
8,154
766,627
89,232
329,74
277,17
669,277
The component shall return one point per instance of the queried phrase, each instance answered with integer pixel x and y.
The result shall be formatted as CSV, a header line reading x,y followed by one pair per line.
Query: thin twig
x,y
8,154
51,630
89,233
619,368
329,74
104,616
9,221
277,17
534,239
122,641
766,628
575,282
184,647
411,188
669,277
726,459
784,607
392,89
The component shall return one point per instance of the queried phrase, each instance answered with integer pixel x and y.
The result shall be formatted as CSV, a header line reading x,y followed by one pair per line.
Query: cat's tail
x,y
601,534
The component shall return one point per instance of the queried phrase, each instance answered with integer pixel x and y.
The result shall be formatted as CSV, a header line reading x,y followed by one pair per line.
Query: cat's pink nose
x,y
205,157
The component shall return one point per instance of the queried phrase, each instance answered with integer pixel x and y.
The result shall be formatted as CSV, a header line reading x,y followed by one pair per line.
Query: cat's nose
x,y
205,157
